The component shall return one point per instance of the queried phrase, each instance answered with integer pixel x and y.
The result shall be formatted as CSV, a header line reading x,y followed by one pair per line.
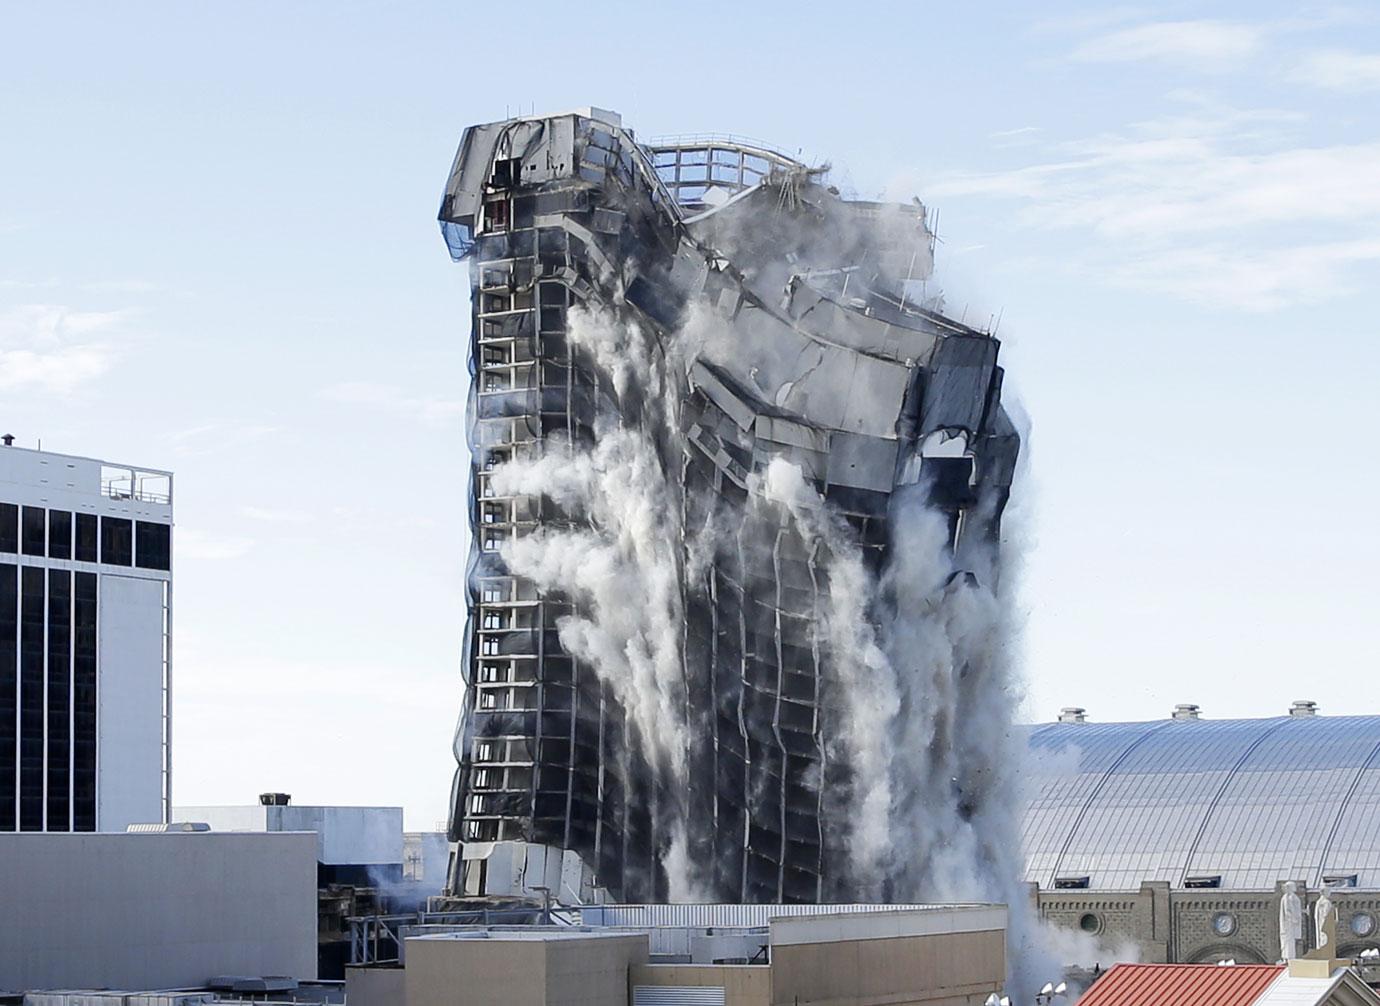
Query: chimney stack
x,y
7,439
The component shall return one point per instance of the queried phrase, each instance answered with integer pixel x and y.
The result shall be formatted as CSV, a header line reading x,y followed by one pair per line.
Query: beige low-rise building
x,y
937,956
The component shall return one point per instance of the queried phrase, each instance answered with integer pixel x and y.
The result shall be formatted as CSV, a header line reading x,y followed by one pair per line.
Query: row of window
x,y
47,699
60,534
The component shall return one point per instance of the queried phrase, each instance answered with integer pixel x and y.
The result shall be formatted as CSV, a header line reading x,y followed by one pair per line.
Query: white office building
x,y
85,642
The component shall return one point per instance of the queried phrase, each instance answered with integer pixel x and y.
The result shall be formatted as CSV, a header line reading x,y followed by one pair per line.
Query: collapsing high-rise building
x,y
707,388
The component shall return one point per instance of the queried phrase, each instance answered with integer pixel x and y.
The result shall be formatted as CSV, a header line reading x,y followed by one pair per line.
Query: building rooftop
x,y
1182,985
1215,985
1232,804
73,474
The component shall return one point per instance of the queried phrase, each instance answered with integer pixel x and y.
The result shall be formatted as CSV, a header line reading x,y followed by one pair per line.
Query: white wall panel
x,y
130,746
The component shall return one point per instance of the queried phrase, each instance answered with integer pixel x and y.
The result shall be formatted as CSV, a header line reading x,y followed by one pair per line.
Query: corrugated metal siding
x,y
1182,985
720,916
677,995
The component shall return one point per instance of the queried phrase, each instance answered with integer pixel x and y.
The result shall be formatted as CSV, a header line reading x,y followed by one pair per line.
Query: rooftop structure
x,y
936,954
85,643
1200,803
366,865
362,845
705,385
1238,985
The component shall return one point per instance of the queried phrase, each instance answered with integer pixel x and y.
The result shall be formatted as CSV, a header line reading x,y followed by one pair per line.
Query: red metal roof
x,y
1181,985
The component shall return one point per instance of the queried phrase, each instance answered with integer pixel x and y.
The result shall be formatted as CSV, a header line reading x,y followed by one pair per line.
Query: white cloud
x,y
214,438
189,543
49,348
1339,70
123,286
1213,206
272,516
1251,278
1208,45
1021,136
430,410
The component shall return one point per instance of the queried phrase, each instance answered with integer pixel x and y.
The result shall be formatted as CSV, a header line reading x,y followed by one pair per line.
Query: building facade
x,y
154,911
85,643
826,355
729,955
1174,838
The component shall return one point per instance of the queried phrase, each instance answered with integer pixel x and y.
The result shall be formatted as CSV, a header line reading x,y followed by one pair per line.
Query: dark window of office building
x,y
86,537
31,617
117,541
59,534
84,703
9,689
59,696
152,545
33,531
9,527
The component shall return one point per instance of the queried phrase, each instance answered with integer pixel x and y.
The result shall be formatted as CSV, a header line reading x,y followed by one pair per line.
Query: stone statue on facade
x,y
1323,913
1290,922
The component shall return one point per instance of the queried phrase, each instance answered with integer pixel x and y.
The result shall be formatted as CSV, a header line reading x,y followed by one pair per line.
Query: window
x,y
59,534
59,695
496,215
31,619
9,527
507,172
86,537
117,541
1214,880
33,531
9,688
152,545
84,702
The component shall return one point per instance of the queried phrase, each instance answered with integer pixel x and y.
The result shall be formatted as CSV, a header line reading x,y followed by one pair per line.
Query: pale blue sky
x,y
218,255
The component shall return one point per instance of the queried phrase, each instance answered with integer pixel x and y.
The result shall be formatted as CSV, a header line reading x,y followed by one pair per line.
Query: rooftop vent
x,y
275,799
172,827
1072,883
7,440
1185,711
1303,707
1073,714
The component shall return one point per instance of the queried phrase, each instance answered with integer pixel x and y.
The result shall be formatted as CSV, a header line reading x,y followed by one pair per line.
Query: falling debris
x,y
736,630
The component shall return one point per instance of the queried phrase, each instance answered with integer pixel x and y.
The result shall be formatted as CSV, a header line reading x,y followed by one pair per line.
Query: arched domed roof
x,y
1250,802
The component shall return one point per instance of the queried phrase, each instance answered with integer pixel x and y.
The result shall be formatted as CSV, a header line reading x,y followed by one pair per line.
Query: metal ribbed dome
x,y
1250,802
